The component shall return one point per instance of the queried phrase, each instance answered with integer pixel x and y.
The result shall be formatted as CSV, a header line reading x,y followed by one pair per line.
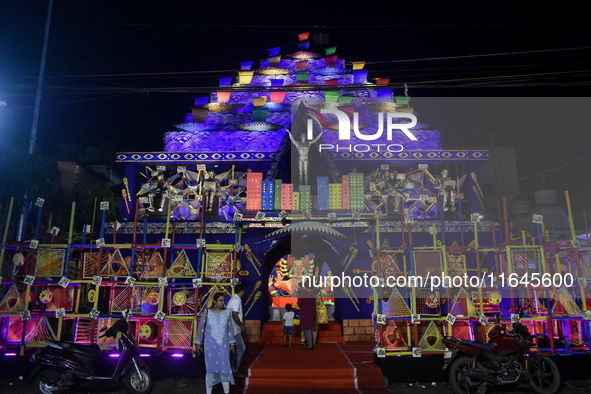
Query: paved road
x,y
194,386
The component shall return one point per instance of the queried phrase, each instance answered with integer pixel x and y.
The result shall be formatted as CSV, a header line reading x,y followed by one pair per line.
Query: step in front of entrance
x,y
331,332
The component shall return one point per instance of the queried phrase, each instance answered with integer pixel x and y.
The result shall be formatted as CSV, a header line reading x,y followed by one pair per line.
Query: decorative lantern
x,y
382,81
199,114
358,65
245,77
302,65
223,97
304,46
201,101
274,61
345,99
302,76
330,61
384,94
225,82
331,96
359,76
244,66
259,114
277,82
277,96
330,51
274,51
303,36
259,101
331,82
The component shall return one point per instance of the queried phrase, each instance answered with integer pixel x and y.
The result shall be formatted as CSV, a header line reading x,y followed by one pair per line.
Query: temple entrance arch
x,y
307,249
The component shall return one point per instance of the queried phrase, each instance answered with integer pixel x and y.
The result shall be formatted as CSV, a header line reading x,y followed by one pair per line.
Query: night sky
x,y
93,94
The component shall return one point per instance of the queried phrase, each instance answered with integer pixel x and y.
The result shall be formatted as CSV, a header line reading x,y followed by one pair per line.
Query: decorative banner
x,y
302,65
274,51
302,76
359,76
276,97
358,65
245,77
330,51
245,66
223,97
303,36
201,101
274,61
259,101
199,114
330,61
225,82
277,82
382,81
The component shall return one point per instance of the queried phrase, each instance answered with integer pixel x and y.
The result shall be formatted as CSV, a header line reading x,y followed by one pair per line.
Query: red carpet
x,y
329,368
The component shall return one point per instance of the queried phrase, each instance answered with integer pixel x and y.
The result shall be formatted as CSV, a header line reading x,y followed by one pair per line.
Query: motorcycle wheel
x,y
459,382
134,384
544,377
43,387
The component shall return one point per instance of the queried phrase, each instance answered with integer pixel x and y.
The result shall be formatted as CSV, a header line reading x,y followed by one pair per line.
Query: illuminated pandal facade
x,y
383,211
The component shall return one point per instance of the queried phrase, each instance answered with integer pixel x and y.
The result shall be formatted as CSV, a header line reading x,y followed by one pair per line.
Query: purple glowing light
x,y
144,355
9,354
177,355
114,355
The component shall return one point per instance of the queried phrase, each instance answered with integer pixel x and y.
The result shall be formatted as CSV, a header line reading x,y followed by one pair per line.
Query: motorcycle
x,y
62,365
505,359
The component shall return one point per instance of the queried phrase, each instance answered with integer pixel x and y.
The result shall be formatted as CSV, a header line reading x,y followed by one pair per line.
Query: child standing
x,y
288,325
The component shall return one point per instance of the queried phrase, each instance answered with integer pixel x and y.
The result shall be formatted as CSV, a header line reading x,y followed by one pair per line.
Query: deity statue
x,y
393,187
445,186
158,190
210,188
303,147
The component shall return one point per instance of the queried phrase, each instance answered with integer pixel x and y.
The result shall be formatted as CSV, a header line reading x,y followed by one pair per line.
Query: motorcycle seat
x,y
91,351
485,346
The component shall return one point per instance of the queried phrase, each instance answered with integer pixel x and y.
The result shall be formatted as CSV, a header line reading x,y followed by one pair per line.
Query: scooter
x,y
62,365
